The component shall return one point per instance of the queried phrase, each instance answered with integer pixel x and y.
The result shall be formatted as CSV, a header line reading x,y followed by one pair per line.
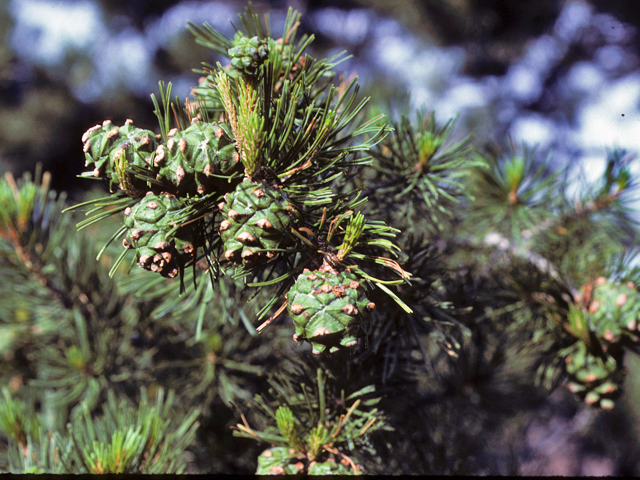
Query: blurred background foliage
x,y
563,75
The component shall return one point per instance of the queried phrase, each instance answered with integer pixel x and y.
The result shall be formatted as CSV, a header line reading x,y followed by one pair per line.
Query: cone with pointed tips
x,y
333,467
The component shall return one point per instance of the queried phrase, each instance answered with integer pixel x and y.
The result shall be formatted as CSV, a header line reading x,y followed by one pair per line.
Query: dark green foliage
x,y
513,191
122,440
417,165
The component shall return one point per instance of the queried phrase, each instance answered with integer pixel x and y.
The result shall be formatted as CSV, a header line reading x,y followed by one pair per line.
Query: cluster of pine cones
x,y
166,176
608,312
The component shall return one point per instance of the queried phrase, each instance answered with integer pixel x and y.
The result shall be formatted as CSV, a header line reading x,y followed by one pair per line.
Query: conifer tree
x,y
280,279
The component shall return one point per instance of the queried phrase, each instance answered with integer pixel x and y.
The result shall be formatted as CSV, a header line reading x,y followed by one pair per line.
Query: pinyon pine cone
x,y
255,216
612,310
280,461
594,379
149,223
328,308
105,145
248,54
286,461
197,160
332,467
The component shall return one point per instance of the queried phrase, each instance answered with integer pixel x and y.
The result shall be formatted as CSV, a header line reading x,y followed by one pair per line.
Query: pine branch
x,y
28,212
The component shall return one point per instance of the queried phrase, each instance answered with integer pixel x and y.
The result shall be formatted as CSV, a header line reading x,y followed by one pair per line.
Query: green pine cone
x,y
594,379
197,160
328,308
149,231
614,311
255,216
248,54
286,461
279,461
331,467
110,150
